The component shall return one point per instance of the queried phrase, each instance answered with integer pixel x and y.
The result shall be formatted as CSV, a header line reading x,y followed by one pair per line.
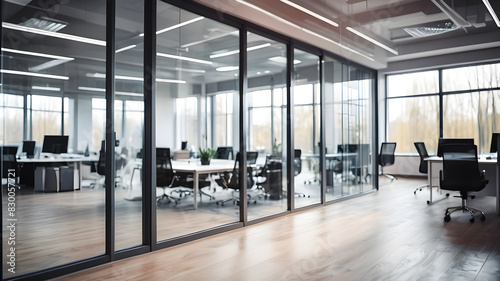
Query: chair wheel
x,y
472,220
428,202
447,218
447,195
483,217
308,196
472,196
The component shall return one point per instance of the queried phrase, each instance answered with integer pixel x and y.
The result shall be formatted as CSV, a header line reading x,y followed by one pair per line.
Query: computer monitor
x,y
29,148
494,142
442,142
55,144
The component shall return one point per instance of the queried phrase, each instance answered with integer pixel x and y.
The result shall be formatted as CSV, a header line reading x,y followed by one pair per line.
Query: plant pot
x,y
205,161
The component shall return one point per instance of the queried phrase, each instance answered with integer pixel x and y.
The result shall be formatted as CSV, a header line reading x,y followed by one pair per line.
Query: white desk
x,y
77,160
194,167
495,178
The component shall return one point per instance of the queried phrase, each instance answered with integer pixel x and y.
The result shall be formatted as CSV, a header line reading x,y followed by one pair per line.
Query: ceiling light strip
x,y
132,78
238,51
125,48
301,28
184,58
36,54
43,88
309,12
176,26
372,40
33,74
54,34
492,12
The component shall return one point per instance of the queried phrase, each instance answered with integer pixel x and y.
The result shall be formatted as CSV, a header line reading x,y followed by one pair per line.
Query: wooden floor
x,y
391,234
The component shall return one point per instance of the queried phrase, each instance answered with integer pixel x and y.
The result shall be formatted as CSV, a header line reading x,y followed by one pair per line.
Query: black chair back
x,y
386,157
164,171
494,142
422,152
101,163
224,152
297,162
9,160
461,169
445,142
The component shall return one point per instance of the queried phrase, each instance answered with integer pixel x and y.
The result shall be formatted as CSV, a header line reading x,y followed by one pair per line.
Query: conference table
x,y
488,161
194,167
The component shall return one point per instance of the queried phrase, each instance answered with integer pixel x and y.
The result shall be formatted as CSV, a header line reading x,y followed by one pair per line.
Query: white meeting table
x,y
482,159
194,167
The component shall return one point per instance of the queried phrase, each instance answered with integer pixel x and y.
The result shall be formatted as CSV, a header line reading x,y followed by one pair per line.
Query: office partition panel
x,y
306,128
348,159
266,102
197,74
52,54
129,125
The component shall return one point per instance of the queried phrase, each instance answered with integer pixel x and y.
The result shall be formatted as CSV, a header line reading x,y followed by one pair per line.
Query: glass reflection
x,y
266,124
347,133
306,99
48,85
197,94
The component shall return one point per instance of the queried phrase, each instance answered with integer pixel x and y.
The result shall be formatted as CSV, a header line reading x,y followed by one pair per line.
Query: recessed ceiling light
x,y
45,23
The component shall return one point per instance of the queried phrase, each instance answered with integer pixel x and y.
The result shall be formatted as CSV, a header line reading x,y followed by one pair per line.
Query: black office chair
x,y
494,142
231,180
461,173
386,157
422,168
10,167
297,164
224,152
165,176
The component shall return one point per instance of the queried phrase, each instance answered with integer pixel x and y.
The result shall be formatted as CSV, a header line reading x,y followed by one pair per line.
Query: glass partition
x,y
306,114
48,88
266,101
348,159
128,123
197,75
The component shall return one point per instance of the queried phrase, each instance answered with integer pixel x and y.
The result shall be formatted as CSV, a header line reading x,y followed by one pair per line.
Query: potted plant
x,y
206,154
